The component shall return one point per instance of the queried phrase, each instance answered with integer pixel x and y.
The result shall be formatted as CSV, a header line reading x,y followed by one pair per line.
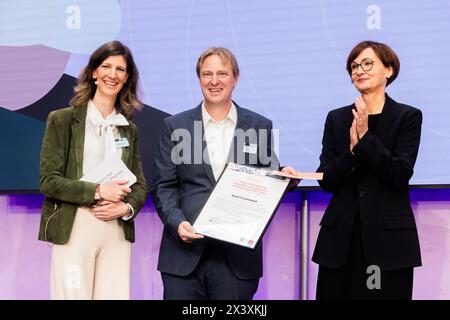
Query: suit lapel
x,y
387,116
125,132
347,123
197,116
78,130
237,145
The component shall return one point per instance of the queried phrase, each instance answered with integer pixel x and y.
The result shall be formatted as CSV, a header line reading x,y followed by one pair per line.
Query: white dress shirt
x,y
219,135
96,139
99,139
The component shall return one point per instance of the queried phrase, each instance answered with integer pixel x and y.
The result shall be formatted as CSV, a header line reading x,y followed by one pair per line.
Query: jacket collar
x,y
126,133
386,118
78,131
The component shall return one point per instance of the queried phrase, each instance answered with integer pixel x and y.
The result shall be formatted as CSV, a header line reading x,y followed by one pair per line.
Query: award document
x,y
110,169
240,207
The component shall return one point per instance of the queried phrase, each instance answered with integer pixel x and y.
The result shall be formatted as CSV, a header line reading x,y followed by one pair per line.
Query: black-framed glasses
x,y
366,64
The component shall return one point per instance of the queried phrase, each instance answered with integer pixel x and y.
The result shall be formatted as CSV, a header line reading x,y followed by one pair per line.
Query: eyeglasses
x,y
366,65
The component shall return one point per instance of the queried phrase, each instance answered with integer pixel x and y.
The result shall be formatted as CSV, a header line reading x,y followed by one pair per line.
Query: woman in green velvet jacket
x,y
91,225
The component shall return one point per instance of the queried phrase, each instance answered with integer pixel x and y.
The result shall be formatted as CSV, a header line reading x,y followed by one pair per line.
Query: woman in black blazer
x,y
368,244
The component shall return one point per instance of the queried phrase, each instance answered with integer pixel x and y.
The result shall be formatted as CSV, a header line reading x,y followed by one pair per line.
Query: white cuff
x,y
131,214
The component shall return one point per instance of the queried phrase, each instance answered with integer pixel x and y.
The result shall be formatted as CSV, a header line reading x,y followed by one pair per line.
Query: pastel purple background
x,y
24,261
291,55
29,73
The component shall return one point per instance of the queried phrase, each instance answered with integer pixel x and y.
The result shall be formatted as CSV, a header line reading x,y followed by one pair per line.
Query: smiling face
x,y
365,80
217,81
110,76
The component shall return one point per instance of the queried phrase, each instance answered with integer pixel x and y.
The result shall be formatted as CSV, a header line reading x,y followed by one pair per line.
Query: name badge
x,y
122,143
252,148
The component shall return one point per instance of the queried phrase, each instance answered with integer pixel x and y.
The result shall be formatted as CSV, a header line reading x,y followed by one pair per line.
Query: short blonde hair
x,y
224,54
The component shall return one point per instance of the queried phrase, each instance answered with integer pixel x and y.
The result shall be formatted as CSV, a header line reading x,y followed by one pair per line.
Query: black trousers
x,y
211,280
351,280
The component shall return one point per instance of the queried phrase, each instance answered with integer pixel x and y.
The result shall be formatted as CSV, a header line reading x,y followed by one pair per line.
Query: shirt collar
x,y
232,115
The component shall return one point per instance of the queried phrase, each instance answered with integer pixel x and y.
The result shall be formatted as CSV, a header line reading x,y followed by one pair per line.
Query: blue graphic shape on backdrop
x,y
20,168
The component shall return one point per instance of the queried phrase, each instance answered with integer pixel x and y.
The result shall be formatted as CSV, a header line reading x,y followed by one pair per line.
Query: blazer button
x,y
362,193
363,220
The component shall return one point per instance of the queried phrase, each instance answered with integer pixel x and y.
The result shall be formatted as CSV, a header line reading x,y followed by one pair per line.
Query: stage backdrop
x,y
291,53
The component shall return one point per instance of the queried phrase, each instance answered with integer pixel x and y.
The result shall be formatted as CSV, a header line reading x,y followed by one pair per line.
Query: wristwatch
x,y
97,193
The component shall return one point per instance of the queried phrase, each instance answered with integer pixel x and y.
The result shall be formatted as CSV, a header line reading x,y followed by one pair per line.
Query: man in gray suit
x,y
193,150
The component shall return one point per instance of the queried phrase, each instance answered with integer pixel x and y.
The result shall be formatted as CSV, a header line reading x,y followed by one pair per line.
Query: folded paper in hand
x,y
300,175
110,169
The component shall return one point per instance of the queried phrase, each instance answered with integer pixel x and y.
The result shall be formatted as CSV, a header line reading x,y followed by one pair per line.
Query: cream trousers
x,y
94,264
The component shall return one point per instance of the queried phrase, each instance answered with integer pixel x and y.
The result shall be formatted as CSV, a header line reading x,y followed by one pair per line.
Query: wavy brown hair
x,y
127,100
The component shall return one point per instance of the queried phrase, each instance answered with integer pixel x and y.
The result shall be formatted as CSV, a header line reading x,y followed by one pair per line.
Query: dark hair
x,y
224,54
127,100
387,56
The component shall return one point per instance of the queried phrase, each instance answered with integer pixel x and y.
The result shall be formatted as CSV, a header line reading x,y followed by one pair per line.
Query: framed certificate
x,y
241,205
